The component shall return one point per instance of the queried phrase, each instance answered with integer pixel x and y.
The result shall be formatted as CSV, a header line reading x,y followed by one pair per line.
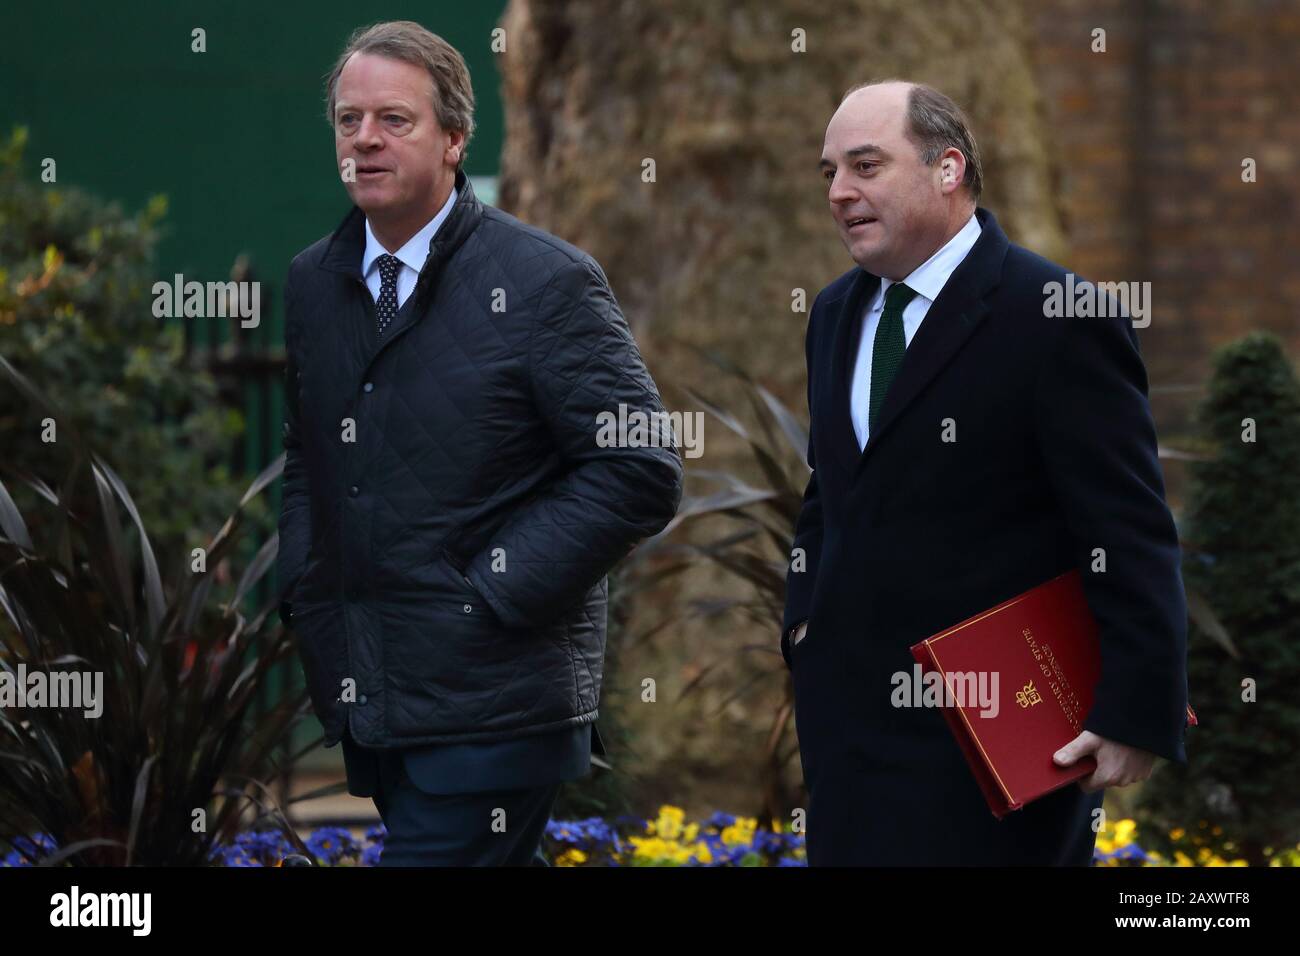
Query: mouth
x,y
858,223
370,172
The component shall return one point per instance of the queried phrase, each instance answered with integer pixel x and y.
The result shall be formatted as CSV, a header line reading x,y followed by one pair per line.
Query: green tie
x,y
888,348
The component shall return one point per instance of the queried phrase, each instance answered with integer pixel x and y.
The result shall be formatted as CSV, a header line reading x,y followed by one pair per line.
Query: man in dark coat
x,y
966,445
450,508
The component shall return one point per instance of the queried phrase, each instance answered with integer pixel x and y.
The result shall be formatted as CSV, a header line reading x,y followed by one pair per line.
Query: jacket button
x,y
368,387
354,491
362,699
468,608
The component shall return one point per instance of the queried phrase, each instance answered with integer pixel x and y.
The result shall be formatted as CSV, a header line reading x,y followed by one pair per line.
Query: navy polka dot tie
x,y
387,304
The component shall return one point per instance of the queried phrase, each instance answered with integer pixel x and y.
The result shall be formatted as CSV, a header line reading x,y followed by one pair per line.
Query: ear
x,y
455,146
952,169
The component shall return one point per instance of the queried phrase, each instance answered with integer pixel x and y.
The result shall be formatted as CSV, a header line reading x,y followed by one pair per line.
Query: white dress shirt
x,y
927,280
411,255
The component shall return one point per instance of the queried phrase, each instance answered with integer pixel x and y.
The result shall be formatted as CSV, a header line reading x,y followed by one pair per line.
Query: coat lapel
x,y
848,329
952,318
348,244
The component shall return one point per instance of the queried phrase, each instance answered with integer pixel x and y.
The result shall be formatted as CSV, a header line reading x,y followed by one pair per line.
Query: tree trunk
x,y
734,119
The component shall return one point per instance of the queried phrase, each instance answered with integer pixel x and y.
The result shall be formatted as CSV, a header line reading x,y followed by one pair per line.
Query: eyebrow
x,y
341,105
867,149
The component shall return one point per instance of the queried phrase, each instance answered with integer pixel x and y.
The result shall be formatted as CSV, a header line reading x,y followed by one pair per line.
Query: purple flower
x,y
331,844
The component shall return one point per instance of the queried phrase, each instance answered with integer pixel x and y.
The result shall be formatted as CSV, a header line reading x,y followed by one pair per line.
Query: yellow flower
x,y
1177,833
669,824
740,832
736,835
571,857
646,847
659,850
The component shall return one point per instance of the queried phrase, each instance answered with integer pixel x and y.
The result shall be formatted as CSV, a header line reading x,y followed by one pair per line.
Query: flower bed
x,y
668,840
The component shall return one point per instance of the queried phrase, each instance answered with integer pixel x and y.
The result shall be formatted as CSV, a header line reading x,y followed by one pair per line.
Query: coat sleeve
x,y
295,514
1097,438
583,362
807,531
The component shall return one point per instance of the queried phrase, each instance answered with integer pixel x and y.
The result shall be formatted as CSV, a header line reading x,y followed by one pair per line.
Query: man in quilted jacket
x,y
451,504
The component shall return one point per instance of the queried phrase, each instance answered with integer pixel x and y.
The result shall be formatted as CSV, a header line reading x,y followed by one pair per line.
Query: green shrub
x,y
1242,529
76,317
171,746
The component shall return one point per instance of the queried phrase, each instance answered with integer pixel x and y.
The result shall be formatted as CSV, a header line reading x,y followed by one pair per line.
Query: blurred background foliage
x,y
1242,554
76,274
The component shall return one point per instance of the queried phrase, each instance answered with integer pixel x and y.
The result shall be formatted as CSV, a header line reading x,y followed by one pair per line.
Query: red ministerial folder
x,y
1042,648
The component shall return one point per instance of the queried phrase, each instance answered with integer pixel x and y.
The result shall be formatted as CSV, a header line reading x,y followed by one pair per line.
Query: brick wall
x,y
1149,138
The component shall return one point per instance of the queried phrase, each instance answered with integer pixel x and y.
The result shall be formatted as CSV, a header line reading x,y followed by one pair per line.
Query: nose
x,y
841,191
368,133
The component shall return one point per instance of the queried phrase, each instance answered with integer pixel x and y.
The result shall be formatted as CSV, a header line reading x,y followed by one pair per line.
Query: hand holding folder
x,y
1044,648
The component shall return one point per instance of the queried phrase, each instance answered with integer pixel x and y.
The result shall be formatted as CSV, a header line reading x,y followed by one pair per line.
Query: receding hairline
x,y
907,85
872,149
933,122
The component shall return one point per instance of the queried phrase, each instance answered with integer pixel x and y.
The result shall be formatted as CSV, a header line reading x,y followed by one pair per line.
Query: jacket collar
x,y
416,249
347,244
959,309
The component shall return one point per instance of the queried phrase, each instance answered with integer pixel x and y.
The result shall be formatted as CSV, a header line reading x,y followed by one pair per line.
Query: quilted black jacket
x,y
449,516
